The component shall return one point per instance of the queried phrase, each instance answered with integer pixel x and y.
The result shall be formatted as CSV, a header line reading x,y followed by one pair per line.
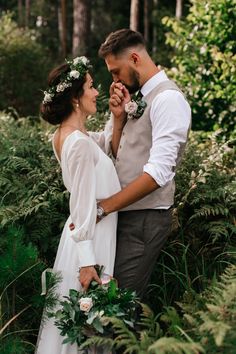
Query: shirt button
x,y
123,133
120,146
117,159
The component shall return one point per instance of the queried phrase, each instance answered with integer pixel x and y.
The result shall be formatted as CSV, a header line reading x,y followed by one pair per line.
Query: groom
x,y
147,151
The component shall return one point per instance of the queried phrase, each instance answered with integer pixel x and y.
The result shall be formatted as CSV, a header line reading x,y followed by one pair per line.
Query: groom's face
x,y
122,71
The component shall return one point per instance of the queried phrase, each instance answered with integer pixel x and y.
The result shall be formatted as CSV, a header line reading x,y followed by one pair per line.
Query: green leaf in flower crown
x,y
112,289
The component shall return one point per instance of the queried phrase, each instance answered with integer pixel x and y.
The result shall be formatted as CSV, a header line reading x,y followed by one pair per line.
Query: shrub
x,y
202,244
24,66
19,305
204,61
32,194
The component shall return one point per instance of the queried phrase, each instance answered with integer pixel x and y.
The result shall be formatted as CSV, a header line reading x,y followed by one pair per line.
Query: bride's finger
x,y
119,93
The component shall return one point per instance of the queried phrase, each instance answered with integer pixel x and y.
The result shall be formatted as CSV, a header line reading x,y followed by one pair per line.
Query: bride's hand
x,y
87,275
119,96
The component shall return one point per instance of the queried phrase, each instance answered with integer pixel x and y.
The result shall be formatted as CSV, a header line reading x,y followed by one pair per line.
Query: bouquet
x,y
83,315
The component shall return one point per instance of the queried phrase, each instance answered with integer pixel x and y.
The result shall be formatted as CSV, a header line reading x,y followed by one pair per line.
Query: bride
x,y
89,175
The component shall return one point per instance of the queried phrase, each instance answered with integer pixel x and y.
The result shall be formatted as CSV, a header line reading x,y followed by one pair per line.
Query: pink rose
x,y
131,108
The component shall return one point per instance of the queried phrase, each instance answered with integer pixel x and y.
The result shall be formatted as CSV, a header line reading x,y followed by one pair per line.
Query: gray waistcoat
x,y
134,151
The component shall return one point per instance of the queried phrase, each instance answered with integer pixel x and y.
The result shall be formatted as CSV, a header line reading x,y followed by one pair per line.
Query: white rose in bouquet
x,y
86,304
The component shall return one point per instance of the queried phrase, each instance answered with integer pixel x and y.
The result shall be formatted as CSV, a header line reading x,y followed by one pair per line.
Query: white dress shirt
x,y
170,117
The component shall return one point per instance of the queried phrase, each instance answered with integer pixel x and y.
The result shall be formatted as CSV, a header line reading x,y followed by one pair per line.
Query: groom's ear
x,y
135,58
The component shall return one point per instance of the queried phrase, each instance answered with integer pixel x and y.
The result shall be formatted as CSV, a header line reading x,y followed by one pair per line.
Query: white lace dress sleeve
x,y
81,169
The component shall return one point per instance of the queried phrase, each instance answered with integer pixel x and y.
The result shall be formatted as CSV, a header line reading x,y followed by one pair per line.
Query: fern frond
x,y
123,336
208,210
171,345
97,341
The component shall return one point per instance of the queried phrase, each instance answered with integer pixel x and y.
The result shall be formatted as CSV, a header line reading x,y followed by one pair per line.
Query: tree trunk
x,y
20,13
154,34
81,27
27,12
146,20
134,15
179,9
62,27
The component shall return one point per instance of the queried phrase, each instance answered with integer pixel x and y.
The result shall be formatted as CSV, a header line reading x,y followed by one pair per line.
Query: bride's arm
x,y
83,208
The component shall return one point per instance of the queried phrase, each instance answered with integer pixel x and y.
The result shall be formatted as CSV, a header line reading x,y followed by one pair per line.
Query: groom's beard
x,y
134,79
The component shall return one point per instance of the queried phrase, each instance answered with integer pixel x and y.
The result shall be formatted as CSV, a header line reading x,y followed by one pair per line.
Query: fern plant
x,y
211,316
19,307
148,338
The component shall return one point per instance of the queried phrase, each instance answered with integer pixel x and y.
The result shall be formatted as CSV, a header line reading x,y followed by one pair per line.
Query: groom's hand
x,y
87,275
119,96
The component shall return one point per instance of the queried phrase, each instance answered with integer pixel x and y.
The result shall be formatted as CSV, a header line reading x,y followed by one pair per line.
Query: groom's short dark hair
x,y
116,42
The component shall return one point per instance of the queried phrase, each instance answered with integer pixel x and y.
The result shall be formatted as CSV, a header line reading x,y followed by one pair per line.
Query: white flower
x,y
76,60
74,74
105,278
47,97
174,70
62,86
86,303
203,49
84,60
131,108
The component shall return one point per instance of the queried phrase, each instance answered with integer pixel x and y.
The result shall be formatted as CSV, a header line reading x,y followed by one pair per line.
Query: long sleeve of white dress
x,y
81,168
103,138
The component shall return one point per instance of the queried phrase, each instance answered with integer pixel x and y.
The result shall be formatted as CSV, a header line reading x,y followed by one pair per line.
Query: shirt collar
x,y
153,82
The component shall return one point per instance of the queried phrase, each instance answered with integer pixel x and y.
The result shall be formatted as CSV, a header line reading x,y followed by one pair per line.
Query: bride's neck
x,y
75,121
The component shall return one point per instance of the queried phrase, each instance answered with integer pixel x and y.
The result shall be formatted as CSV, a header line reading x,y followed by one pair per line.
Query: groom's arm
x,y
136,190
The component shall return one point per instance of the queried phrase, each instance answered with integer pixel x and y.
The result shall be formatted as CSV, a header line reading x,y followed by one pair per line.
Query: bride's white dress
x,y
89,175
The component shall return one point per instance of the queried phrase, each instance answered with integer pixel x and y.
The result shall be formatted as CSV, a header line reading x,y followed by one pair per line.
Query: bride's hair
x,y
60,107
118,41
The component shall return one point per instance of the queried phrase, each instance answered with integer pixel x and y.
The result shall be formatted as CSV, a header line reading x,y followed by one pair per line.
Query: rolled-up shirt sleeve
x,y
83,211
170,117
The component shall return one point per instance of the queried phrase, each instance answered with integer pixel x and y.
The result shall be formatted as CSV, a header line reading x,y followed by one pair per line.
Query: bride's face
x,y
88,100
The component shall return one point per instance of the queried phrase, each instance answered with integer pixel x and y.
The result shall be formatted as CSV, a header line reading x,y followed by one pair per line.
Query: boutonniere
x,y
135,107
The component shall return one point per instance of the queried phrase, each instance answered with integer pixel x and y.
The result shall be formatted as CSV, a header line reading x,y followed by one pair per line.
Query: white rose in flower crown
x,y
76,60
47,97
131,107
75,74
84,60
86,303
62,86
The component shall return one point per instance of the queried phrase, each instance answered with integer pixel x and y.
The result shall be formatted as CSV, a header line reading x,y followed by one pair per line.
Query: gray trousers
x,y
141,235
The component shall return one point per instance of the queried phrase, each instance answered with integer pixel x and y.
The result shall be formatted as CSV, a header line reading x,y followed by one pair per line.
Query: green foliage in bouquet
x,y
204,61
83,315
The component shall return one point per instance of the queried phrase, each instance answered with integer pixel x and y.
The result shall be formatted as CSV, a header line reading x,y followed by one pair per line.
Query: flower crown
x,y
78,68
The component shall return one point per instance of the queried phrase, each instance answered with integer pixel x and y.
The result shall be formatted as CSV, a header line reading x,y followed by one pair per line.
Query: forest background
x,y
193,286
